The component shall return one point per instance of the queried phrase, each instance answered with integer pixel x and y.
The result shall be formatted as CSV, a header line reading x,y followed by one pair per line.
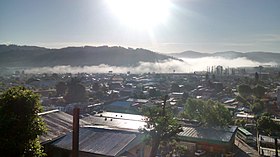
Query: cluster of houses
x,y
119,134
110,117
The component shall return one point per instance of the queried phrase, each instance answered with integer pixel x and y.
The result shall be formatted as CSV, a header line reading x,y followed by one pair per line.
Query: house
x,y
117,79
58,124
215,141
250,118
105,134
122,107
266,145
100,142
115,120
118,134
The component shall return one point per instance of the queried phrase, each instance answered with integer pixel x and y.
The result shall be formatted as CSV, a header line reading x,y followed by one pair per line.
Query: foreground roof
x,y
58,124
101,141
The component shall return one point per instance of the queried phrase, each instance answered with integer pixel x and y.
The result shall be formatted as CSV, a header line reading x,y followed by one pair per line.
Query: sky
x,y
165,26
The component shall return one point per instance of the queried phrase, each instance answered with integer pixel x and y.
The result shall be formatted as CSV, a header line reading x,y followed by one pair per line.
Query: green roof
x,y
207,134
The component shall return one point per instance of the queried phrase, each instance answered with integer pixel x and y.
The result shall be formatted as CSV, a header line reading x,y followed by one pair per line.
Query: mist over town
x,y
139,78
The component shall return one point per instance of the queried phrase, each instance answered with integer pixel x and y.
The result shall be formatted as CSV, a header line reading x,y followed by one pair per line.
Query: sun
x,y
140,14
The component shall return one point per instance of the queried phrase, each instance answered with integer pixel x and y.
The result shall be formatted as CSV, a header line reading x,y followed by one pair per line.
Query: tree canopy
x,y
76,92
244,90
267,126
175,87
209,112
162,125
61,88
20,124
259,91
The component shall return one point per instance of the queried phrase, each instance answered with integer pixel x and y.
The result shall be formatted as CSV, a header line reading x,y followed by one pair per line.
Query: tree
x,y
61,88
76,92
244,90
175,87
95,86
152,92
240,122
163,125
257,77
20,124
268,127
257,107
243,100
185,96
259,91
209,112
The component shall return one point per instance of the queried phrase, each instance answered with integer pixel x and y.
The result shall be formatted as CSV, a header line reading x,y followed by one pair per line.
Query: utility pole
x,y
75,135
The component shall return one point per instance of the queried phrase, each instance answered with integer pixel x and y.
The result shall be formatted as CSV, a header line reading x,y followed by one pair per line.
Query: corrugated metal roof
x,y
100,141
58,124
208,134
116,115
267,139
115,122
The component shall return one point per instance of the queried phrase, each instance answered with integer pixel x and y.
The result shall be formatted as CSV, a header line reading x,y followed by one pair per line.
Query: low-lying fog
x,y
167,66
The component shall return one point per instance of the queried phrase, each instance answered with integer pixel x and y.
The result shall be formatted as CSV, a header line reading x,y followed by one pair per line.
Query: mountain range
x,y
32,56
262,57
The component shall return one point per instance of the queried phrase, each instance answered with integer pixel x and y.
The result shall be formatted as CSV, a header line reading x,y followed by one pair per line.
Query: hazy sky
x,y
161,26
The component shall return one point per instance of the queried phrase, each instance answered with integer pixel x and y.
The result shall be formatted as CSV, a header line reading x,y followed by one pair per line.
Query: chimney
x,y
75,135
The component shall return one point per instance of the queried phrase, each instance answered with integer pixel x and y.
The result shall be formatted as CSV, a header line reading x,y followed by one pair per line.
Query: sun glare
x,y
140,14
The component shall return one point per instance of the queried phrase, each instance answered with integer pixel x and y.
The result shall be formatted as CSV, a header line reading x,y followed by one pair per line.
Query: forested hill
x,y
31,56
262,57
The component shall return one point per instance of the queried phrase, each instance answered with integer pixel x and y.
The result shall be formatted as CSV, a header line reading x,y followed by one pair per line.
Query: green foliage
x,y
20,124
240,122
259,91
61,88
96,86
173,147
207,112
244,90
267,126
257,107
162,125
257,77
185,96
243,100
154,92
76,92
175,87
